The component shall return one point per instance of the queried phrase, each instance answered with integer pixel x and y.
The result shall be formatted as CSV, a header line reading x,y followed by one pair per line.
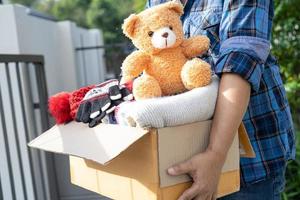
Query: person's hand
x,y
205,170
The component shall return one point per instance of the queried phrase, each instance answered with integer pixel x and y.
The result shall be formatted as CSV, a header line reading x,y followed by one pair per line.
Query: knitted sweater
x,y
191,106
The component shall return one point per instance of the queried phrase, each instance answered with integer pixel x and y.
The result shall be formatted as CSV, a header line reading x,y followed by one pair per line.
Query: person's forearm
x,y
232,102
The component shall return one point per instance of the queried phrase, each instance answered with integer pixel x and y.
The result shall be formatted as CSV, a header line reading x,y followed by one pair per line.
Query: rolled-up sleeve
x,y
244,35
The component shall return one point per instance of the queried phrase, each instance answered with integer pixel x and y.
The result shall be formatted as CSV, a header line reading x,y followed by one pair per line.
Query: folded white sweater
x,y
191,106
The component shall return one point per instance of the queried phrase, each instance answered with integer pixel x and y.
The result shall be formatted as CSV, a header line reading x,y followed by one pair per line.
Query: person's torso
x,y
203,17
267,119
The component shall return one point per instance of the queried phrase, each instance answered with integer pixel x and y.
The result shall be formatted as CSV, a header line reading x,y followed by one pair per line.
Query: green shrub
x,y
292,190
286,47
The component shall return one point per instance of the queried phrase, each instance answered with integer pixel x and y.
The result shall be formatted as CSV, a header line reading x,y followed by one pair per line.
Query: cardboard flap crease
x,y
97,145
100,144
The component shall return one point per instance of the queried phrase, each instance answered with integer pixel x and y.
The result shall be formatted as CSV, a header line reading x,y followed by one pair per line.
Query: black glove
x,y
126,94
96,102
114,92
97,120
102,101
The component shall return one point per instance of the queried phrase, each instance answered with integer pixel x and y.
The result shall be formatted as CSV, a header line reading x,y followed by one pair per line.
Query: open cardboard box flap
x,y
103,142
150,151
100,144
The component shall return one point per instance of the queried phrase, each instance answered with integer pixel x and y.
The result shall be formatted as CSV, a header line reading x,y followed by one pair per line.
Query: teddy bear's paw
x,y
196,73
146,87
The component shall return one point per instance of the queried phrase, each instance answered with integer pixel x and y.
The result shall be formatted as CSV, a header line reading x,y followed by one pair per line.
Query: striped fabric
x,y
240,32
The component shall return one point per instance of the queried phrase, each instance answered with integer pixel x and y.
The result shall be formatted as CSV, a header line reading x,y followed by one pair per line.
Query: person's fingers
x,y
203,197
190,193
214,196
181,168
209,197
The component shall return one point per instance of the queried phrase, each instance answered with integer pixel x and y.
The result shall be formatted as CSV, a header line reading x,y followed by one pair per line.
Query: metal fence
x,y
24,173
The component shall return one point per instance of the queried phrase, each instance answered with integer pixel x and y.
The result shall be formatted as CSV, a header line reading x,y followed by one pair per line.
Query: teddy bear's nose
x,y
165,35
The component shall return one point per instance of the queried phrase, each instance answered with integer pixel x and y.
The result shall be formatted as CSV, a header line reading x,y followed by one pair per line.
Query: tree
x,y
139,5
109,15
286,47
74,10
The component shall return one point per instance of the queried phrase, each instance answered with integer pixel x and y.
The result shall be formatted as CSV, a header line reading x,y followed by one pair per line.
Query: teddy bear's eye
x,y
170,27
150,33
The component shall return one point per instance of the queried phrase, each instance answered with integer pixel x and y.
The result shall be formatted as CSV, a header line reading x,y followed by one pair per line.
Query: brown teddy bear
x,y
165,57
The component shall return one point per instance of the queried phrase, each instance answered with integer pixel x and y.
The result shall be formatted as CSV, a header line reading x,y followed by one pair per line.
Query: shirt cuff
x,y
257,47
242,64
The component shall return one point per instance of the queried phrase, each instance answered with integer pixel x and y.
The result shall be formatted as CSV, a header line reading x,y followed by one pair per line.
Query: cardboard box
x,y
123,162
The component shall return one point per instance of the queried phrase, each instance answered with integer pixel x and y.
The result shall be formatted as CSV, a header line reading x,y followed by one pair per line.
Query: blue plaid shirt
x,y
240,32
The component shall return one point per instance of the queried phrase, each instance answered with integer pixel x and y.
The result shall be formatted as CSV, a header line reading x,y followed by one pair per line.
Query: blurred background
x,y
47,46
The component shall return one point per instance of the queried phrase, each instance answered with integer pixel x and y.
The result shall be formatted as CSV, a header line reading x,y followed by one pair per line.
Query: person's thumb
x,y
181,168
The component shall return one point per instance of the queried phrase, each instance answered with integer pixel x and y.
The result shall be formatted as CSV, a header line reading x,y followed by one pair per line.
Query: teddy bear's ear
x,y
176,6
129,25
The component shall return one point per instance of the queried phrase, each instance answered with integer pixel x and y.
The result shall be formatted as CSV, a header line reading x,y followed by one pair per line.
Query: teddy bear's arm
x,y
195,46
133,65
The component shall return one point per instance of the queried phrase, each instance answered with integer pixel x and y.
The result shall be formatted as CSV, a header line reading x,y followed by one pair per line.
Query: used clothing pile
x,y
112,103
188,107
192,106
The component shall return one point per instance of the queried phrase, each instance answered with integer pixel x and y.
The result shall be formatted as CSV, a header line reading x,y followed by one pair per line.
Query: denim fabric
x,y
269,189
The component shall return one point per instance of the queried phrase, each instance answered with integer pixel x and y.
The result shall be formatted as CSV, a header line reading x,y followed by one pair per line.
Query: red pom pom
x,y
59,107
